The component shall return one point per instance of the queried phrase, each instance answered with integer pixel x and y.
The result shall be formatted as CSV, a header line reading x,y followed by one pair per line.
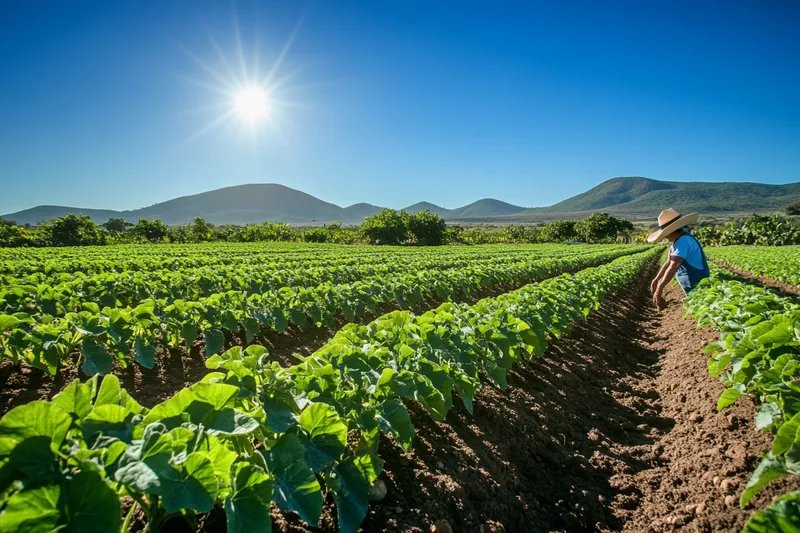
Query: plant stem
x,y
127,523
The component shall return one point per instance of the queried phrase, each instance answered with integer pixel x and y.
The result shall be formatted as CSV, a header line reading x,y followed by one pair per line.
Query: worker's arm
x,y
661,271
669,273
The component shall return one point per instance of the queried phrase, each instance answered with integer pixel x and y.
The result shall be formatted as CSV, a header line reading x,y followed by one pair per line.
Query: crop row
x,y
103,335
94,260
777,263
758,354
253,432
44,292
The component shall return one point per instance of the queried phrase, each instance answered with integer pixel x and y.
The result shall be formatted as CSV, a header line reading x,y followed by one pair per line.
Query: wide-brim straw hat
x,y
670,220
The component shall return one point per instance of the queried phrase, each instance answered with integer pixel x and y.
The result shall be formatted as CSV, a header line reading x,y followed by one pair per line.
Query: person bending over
x,y
687,261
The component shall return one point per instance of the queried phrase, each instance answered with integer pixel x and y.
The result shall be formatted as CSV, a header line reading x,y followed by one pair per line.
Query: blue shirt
x,y
694,266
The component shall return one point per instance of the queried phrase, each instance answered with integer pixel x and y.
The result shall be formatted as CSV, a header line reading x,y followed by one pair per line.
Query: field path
x,y
614,429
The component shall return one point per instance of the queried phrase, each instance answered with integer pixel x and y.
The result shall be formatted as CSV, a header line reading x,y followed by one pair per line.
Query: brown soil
x,y
763,280
614,430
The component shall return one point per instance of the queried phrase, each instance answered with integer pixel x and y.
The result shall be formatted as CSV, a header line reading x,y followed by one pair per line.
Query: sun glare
x,y
252,105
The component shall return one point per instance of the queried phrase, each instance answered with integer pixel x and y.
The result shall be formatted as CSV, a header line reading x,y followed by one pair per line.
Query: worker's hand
x,y
658,299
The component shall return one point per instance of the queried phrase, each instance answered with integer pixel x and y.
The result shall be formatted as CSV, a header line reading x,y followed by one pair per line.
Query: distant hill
x,y
632,197
636,195
358,212
427,206
484,208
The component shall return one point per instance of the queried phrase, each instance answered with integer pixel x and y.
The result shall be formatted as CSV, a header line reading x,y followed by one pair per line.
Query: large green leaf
x,y
190,485
192,403
394,418
326,435
786,435
296,486
215,341
76,398
727,398
228,421
108,420
32,511
91,505
783,516
144,352
770,468
350,483
96,360
247,508
36,419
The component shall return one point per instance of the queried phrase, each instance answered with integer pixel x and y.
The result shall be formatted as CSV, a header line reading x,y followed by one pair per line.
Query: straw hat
x,y
670,220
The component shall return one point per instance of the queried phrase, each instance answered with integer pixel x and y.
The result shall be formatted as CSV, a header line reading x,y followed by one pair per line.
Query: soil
x,y
614,429
763,280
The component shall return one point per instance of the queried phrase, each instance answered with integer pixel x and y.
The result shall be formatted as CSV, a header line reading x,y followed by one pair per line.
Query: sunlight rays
x,y
249,99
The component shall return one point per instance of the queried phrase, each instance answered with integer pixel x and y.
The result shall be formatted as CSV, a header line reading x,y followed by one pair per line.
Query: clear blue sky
x,y
390,103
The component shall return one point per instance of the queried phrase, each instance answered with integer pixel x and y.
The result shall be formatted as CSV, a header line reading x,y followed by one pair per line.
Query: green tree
x,y
793,209
73,230
150,230
386,227
599,227
476,236
116,226
558,231
519,234
201,230
426,228
12,235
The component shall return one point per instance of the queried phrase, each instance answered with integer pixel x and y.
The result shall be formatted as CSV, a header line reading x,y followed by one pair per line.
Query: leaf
x,y
91,505
783,516
297,317
251,328
144,352
32,511
228,421
76,399
296,486
108,420
96,360
193,403
280,320
350,484
190,485
766,416
280,412
786,435
109,392
247,508
215,341
728,397
189,334
770,468
326,435
394,418
36,419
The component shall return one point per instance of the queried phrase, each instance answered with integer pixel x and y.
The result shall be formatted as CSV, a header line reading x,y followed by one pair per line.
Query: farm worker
x,y
686,261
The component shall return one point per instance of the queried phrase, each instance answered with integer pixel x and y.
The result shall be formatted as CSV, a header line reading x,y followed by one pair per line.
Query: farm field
x,y
290,387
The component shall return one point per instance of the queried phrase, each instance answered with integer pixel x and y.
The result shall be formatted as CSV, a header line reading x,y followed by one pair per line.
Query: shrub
x,y
386,227
427,228
73,230
559,231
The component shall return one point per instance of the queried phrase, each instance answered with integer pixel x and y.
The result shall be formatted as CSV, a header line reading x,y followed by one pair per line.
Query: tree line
x,y
387,227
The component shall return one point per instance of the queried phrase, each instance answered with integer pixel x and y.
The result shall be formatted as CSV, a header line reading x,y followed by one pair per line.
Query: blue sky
x,y
103,104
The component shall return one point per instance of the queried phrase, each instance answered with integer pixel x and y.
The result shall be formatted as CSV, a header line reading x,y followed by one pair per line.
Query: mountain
x,y
43,213
358,212
427,206
632,197
488,207
643,196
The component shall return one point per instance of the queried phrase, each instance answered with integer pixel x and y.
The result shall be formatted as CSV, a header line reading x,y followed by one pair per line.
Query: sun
x,y
252,104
